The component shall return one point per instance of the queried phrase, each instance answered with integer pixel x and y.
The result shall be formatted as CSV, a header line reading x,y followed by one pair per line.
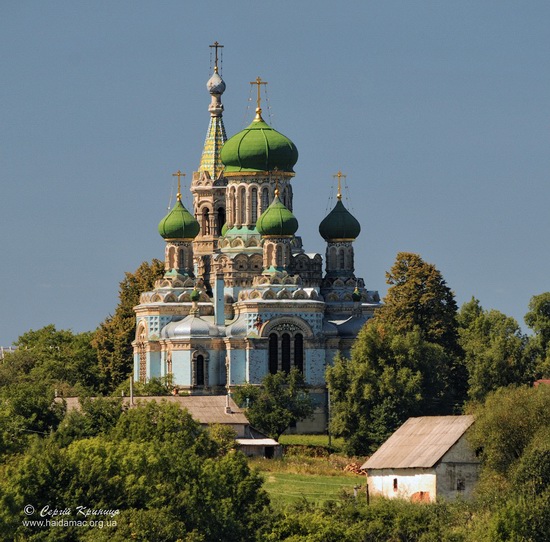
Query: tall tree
x,y
494,350
282,399
391,375
419,297
538,319
113,339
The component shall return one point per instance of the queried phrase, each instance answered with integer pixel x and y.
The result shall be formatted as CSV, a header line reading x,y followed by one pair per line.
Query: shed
x,y
207,410
426,458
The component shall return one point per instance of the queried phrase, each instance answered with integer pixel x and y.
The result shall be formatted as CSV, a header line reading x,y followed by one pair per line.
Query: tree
x,y
59,357
281,400
113,339
391,376
405,362
494,349
506,424
419,298
538,319
155,464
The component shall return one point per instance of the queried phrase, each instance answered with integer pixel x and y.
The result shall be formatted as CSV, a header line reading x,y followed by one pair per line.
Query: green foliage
x,y
507,423
97,416
155,464
61,358
538,319
391,375
113,339
419,298
494,350
282,399
350,520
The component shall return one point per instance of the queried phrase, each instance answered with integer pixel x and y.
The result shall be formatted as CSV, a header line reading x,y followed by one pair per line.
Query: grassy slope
x,y
297,476
284,488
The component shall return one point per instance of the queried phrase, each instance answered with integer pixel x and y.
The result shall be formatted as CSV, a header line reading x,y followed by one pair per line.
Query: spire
x,y
215,136
258,82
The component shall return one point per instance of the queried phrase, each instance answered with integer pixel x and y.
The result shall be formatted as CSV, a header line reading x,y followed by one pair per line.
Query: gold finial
x,y
339,175
259,99
178,174
216,46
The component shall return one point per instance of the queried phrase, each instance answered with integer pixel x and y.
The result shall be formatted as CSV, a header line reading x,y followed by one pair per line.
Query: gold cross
x,y
178,174
259,99
339,175
216,46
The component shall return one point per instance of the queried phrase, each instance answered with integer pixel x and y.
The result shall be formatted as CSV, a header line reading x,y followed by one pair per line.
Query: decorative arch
x,y
200,360
289,324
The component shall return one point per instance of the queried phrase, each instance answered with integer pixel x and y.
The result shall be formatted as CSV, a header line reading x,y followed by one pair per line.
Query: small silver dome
x,y
190,326
216,84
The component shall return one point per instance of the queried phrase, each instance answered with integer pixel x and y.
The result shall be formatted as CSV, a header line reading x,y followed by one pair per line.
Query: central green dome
x,y
339,224
179,223
259,148
277,220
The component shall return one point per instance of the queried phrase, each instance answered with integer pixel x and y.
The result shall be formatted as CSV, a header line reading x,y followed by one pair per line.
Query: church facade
x,y
240,297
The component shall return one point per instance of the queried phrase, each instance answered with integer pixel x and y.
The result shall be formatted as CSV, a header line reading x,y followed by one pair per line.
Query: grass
x,y
285,488
312,440
302,475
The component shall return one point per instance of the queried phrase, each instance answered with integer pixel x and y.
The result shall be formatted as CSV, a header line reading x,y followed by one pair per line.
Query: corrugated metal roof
x,y
203,408
419,442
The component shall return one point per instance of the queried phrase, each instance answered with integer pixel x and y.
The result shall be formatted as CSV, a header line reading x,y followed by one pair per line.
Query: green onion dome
x,y
356,295
179,223
277,220
225,227
339,224
195,295
259,148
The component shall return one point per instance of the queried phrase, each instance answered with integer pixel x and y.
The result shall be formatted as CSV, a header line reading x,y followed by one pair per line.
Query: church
x,y
241,297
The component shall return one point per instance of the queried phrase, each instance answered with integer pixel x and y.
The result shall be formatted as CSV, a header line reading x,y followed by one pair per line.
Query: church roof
x,y
211,161
190,326
277,220
339,224
179,223
259,148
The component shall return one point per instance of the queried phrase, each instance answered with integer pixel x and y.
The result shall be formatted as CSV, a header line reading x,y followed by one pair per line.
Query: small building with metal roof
x,y
426,458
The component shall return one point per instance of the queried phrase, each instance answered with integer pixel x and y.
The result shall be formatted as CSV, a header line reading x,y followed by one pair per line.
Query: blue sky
x,y
437,111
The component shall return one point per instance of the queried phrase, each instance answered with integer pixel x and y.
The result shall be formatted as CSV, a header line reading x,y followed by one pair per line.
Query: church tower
x,y
209,184
240,297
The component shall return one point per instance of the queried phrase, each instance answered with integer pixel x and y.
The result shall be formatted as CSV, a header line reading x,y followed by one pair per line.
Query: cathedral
x,y
240,297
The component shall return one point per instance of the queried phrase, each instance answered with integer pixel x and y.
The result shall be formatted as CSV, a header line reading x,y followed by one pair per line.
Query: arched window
x,y
200,370
269,255
279,256
273,353
171,257
285,353
206,222
331,264
233,203
341,260
182,264
254,204
265,198
242,203
221,220
299,352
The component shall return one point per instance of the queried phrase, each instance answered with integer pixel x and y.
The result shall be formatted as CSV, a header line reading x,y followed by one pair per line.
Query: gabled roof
x,y
419,442
203,408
